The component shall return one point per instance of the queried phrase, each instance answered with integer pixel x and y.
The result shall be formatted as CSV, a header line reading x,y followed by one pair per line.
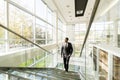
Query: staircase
x,y
37,74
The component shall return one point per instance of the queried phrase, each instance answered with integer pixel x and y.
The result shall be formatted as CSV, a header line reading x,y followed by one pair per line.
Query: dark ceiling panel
x,y
80,6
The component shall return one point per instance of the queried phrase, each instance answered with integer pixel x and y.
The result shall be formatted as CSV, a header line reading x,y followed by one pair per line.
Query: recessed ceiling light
x,y
79,12
69,11
68,6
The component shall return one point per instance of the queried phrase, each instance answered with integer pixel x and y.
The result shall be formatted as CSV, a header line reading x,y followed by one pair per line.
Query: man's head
x,y
66,39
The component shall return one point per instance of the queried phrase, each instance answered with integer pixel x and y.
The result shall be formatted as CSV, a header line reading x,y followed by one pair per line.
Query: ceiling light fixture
x,y
79,12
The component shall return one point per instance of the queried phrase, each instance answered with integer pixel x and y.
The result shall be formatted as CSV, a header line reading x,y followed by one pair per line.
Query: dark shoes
x,y
66,70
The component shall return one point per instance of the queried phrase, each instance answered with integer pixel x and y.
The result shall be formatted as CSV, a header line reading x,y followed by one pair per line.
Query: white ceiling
x,y
66,8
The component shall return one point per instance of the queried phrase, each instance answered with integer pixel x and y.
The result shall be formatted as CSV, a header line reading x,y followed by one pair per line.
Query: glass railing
x,y
106,64
102,62
87,67
21,51
9,76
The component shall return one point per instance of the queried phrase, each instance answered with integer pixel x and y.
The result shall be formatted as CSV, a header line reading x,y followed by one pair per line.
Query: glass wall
x,y
105,27
40,32
105,31
33,20
2,12
80,31
24,3
101,32
61,31
40,9
3,22
49,34
20,22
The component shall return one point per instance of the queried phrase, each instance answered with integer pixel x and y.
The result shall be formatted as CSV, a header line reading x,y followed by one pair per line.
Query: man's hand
x,y
68,55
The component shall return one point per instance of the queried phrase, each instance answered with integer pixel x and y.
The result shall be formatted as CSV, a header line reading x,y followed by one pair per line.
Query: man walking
x,y
66,52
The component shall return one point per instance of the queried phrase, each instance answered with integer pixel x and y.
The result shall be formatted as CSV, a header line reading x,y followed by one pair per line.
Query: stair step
x,y
42,73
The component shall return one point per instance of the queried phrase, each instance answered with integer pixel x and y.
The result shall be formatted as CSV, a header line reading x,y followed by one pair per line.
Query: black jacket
x,y
68,49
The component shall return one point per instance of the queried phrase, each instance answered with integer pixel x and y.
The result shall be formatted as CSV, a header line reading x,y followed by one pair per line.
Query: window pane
x,y
82,27
40,32
49,34
40,9
2,12
2,31
28,4
49,16
2,40
99,27
21,23
77,35
60,24
77,27
60,35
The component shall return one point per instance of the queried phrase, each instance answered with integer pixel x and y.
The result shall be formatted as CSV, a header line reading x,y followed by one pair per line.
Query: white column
x,y
7,24
55,24
34,23
115,35
56,27
110,66
46,33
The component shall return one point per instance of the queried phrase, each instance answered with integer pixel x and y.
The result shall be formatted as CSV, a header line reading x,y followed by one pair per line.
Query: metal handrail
x,y
24,38
90,23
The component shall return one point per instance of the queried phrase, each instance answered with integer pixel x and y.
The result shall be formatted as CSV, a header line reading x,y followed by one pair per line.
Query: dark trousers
x,y
66,63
